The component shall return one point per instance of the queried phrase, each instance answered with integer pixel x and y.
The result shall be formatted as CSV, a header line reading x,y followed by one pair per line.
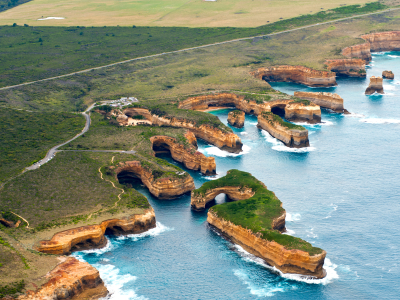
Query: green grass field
x,y
32,53
27,136
188,13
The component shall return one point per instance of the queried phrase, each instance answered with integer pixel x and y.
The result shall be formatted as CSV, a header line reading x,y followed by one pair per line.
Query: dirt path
x,y
198,47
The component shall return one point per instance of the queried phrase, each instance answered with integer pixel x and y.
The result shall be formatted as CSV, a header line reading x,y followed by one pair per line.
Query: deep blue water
x,y
342,194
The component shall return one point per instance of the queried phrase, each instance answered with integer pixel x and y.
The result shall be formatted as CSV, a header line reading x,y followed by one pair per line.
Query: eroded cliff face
x,y
375,85
225,140
162,188
299,112
298,74
199,202
192,159
326,100
387,74
290,137
383,41
287,261
89,237
236,118
347,67
70,279
302,113
362,51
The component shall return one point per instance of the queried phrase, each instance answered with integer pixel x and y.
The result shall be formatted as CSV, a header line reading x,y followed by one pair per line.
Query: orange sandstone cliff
x,y
287,261
236,118
297,111
298,74
70,279
347,67
375,85
383,41
362,51
292,137
186,154
89,237
325,100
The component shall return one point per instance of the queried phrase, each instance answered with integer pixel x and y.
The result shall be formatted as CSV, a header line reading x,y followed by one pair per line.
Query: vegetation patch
x,y
273,118
12,289
256,213
27,136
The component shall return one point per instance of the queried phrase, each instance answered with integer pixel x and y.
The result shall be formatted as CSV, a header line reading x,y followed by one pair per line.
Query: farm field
x,y
192,13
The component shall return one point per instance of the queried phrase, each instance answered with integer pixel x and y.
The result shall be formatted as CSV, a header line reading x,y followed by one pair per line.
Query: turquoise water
x,y
342,194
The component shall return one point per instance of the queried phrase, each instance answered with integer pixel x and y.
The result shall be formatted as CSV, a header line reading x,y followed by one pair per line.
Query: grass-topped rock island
x,y
257,222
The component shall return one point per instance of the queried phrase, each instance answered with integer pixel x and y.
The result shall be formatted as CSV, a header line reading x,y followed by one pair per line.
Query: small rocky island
x,y
257,222
387,74
375,86
236,118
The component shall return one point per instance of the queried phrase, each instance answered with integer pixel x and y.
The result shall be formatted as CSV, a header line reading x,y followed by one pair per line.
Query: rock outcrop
x,y
347,67
325,100
199,201
70,279
162,188
383,41
375,86
236,118
293,136
295,111
298,74
387,74
287,261
185,153
362,51
89,237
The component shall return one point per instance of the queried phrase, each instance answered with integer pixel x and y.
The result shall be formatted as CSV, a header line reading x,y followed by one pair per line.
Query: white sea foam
x,y
355,115
279,146
289,232
380,121
115,282
214,177
329,267
324,123
244,133
311,233
394,56
51,18
253,123
292,217
389,87
160,228
215,151
107,248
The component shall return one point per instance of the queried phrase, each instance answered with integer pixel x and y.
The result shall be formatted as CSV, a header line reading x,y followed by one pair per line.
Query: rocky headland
x,y
292,110
387,74
347,67
298,74
93,236
71,279
256,223
293,136
375,86
325,100
185,153
236,118
362,51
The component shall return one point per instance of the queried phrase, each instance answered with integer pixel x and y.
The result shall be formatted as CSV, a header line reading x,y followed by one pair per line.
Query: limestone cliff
x,y
287,261
199,201
71,279
295,112
162,188
89,237
362,51
383,41
186,154
375,85
236,118
325,100
347,67
298,74
295,137
387,74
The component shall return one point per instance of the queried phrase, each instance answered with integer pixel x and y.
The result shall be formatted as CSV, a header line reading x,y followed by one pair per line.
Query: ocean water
x,y
341,194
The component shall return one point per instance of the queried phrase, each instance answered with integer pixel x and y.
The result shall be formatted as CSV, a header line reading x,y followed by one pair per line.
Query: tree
x,y
15,25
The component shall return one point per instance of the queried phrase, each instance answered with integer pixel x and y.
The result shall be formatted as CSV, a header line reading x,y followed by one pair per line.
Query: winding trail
x,y
197,47
27,223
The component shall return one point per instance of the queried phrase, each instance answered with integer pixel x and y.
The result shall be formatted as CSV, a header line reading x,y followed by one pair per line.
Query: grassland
x,y
256,213
192,13
32,53
8,4
275,118
27,136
